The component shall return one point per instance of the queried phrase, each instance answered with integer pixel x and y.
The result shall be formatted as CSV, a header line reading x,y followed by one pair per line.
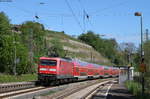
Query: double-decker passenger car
x,y
59,70
80,69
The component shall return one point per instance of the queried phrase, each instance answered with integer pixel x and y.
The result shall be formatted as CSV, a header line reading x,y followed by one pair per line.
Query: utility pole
x,y
15,56
142,51
142,56
91,57
128,61
31,47
128,65
147,34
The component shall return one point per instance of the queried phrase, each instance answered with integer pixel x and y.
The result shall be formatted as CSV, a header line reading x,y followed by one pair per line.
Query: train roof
x,y
79,62
57,58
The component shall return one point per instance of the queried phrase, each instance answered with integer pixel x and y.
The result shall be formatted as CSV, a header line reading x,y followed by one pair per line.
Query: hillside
x,y
23,44
76,48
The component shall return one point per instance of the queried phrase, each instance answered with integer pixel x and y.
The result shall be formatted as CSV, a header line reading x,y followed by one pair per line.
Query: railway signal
x,y
142,67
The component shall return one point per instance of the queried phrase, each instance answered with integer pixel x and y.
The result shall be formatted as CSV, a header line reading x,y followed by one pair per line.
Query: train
x,y
58,70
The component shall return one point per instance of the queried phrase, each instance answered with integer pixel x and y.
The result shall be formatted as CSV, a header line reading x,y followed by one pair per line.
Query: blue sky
x,y
112,18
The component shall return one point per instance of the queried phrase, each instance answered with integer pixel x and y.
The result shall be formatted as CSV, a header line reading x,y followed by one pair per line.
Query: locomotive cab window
x,y
48,62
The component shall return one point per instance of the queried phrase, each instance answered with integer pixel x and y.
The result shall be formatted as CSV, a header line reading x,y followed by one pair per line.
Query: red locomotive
x,y
59,70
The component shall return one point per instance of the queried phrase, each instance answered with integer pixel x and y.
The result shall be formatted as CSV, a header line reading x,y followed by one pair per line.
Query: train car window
x,y
62,63
106,68
77,69
48,62
90,70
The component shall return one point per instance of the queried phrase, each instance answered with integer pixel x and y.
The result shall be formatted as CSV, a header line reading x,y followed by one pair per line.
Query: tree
x,y
89,38
23,65
128,49
129,46
5,27
11,42
56,50
6,44
107,47
33,34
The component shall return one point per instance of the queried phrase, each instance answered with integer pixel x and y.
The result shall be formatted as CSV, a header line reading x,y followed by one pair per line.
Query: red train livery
x,y
63,70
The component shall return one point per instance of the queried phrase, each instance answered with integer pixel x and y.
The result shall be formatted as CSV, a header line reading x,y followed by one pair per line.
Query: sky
x,y
111,18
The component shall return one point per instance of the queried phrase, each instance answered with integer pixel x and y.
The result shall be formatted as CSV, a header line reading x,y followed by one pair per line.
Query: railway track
x,y
99,92
14,93
69,93
63,90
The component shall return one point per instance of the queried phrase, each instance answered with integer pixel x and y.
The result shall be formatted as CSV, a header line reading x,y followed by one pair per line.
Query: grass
x,y
11,78
135,88
60,35
68,45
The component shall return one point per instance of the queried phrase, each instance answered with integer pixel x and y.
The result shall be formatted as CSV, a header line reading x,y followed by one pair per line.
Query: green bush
x,y
11,78
133,87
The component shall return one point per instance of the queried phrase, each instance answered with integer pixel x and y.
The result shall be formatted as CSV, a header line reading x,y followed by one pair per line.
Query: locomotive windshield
x,y
48,62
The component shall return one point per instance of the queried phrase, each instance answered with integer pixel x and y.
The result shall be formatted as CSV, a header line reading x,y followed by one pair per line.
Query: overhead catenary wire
x,y
67,15
86,16
76,19
84,10
84,22
110,7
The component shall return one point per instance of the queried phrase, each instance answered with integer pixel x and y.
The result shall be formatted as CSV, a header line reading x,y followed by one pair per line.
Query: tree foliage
x,y
5,27
33,36
22,66
10,42
129,53
6,44
56,50
107,47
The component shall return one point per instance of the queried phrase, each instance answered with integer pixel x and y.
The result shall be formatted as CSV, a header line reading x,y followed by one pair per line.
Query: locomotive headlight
x,y
43,69
52,69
